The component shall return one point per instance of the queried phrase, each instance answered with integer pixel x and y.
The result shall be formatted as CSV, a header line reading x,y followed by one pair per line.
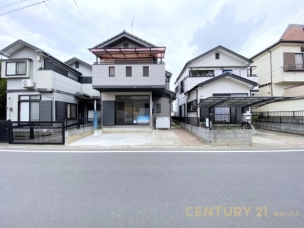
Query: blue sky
x,y
186,28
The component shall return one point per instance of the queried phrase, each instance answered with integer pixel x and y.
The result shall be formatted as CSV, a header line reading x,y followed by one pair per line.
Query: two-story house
x,y
42,88
130,74
281,70
217,72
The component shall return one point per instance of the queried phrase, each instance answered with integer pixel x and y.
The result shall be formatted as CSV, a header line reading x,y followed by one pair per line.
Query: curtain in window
x,y
11,68
24,111
299,61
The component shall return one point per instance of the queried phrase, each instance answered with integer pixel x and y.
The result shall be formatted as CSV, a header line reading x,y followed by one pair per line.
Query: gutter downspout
x,y
271,72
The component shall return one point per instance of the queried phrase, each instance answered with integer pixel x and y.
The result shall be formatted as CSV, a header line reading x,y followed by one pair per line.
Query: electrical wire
x,y
13,3
60,22
85,22
38,3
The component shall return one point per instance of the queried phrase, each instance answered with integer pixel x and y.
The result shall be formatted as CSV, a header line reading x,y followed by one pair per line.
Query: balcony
x,y
293,67
129,62
296,91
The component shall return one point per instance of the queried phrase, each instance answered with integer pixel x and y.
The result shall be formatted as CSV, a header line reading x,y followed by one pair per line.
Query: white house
x,y
281,70
217,72
42,88
130,74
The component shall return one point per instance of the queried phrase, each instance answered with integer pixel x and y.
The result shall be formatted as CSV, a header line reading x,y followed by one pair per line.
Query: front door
x,y
124,112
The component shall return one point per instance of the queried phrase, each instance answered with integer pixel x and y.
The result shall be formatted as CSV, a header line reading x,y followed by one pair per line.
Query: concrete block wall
x,y
74,134
295,128
221,137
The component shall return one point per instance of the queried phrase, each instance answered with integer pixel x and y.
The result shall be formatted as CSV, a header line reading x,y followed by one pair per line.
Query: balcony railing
x,y
288,67
126,62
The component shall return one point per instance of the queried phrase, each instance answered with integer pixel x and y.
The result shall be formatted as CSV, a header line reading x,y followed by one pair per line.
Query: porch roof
x,y
129,53
241,102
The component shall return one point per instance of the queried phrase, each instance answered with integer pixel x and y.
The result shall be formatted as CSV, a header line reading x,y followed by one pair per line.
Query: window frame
x,y
76,65
16,63
217,55
127,71
110,71
158,107
146,67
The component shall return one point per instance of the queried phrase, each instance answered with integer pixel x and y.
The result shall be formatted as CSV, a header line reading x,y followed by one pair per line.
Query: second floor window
x,y
76,64
16,68
293,61
129,71
111,71
146,71
181,86
217,55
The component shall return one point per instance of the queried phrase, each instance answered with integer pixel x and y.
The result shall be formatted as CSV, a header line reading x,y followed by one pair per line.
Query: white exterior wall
x,y
226,59
280,79
85,70
156,75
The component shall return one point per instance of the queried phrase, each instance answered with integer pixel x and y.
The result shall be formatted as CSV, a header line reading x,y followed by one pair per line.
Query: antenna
x,y
132,25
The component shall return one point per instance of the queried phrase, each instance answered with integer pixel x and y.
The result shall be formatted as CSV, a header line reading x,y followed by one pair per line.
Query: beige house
x,y
281,70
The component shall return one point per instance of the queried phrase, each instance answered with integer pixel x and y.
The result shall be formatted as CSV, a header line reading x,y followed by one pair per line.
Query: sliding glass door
x,y
132,110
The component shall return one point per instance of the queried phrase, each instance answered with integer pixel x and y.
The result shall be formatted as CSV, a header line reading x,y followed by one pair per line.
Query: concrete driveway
x,y
156,138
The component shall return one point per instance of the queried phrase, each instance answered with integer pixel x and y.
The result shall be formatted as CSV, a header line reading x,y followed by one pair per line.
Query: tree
x,y
2,96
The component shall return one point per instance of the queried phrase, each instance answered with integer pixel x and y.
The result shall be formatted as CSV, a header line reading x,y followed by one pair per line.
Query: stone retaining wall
x,y
74,134
221,137
295,128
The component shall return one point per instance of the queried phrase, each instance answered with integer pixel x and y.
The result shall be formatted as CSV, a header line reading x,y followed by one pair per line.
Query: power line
x,y
245,17
84,21
13,3
38,3
59,22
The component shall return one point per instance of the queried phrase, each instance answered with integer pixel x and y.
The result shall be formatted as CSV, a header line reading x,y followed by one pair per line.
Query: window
x,y
146,71
217,55
176,89
16,68
192,106
201,73
182,86
158,108
71,111
227,71
111,71
126,45
293,61
76,64
129,71
29,107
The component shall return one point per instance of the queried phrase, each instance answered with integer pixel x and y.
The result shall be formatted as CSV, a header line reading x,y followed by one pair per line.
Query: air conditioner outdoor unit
x,y
27,83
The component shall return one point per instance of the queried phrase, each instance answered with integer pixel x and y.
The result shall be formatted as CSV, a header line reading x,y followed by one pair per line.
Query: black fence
x,y
279,117
77,123
37,132
216,121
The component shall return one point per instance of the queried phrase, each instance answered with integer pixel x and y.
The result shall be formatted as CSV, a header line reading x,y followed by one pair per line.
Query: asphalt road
x,y
151,189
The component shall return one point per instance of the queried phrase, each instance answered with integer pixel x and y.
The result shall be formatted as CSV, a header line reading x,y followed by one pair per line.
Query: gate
x,y
4,131
37,132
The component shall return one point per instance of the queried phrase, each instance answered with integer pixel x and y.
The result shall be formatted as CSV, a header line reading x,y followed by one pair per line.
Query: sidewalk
x,y
173,138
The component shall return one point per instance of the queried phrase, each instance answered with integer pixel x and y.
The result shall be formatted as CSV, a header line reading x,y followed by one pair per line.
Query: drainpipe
x,y
270,57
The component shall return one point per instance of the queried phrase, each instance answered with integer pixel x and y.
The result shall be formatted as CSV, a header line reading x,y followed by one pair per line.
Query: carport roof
x,y
241,102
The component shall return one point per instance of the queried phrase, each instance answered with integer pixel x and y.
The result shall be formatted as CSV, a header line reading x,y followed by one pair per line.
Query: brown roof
x,y
293,32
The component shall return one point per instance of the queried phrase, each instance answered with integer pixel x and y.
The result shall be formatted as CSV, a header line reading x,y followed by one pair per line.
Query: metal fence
x,y
215,121
279,117
77,123
37,132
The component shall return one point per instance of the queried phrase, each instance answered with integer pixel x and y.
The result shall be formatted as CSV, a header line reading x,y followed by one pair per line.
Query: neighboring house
x,y
281,70
217,72
42,88
130,74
